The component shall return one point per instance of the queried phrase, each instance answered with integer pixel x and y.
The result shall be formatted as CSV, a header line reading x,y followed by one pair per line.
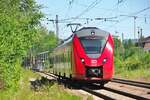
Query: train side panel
x,y
107,54
78,66
61,62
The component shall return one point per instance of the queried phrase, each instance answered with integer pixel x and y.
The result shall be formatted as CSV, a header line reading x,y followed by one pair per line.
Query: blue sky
x,y
100,8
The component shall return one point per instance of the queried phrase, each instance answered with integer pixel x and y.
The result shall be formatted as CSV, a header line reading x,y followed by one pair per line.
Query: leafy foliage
x,y
46,41
18,30
131,58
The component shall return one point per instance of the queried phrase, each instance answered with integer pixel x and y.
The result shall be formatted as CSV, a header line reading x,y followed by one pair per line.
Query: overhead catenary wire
x,y
92,5
116,6
132,14
120,1
79,17
136,13
69,7
141,11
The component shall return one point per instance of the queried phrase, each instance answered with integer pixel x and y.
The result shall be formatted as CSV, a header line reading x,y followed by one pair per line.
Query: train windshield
x,y
93,45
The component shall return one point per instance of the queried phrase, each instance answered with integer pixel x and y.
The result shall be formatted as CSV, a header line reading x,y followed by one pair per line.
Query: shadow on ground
x,y
36,84
79,85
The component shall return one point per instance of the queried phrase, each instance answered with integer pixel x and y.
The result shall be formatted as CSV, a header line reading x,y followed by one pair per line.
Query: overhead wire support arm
x,y
56,21
134,18
74,24
107,19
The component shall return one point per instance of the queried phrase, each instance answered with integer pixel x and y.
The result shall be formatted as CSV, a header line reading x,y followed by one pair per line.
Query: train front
x,y
92,55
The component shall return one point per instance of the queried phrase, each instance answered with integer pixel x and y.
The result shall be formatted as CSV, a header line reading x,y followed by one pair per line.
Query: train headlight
x,y
92,33
82,60
104,60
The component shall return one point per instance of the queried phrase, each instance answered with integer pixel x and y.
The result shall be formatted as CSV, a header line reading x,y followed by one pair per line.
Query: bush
x,y
145,60
118,64
132,63
129,57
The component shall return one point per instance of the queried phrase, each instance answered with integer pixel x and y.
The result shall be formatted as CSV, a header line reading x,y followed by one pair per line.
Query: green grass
x,y
46,92
137,74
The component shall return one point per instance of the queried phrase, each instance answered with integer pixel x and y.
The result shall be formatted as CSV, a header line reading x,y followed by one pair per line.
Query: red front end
x,y
92,59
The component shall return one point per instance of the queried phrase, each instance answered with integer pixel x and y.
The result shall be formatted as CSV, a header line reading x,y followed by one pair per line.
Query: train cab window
x,y
93,45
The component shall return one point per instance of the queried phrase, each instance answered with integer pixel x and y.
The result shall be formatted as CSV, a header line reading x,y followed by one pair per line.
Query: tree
x,y
128,44
18,31
45,42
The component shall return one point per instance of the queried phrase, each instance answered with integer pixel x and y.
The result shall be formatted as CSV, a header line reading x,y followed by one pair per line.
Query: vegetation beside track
x,y
19,25
131,61
20,34
51,91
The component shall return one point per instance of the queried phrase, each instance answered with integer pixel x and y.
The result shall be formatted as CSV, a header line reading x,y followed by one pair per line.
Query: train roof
x,y
83,32
83,28
65,42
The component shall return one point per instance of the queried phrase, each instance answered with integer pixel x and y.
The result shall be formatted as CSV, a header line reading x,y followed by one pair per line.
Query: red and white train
x,y
86,56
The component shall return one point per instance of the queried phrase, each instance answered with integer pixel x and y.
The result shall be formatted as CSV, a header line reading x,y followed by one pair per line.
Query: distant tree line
x,y
46,41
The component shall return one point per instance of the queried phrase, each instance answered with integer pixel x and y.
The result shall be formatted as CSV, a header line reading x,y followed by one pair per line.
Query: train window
x,y
93,45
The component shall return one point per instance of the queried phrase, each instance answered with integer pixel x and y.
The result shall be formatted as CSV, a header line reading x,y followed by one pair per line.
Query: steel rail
x,y
126,94
97,94
133,83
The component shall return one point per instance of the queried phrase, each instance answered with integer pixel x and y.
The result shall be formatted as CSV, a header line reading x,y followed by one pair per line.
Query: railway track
x,y
98,92
137,97
122,93
133,83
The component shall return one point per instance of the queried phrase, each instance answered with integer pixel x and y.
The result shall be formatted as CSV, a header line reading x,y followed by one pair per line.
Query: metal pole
x,y
141,33
141,37
57,28
123,54
134,26
138,36
122,38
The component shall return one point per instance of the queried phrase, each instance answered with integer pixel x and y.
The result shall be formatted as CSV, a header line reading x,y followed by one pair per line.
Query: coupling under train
x,y
85,56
